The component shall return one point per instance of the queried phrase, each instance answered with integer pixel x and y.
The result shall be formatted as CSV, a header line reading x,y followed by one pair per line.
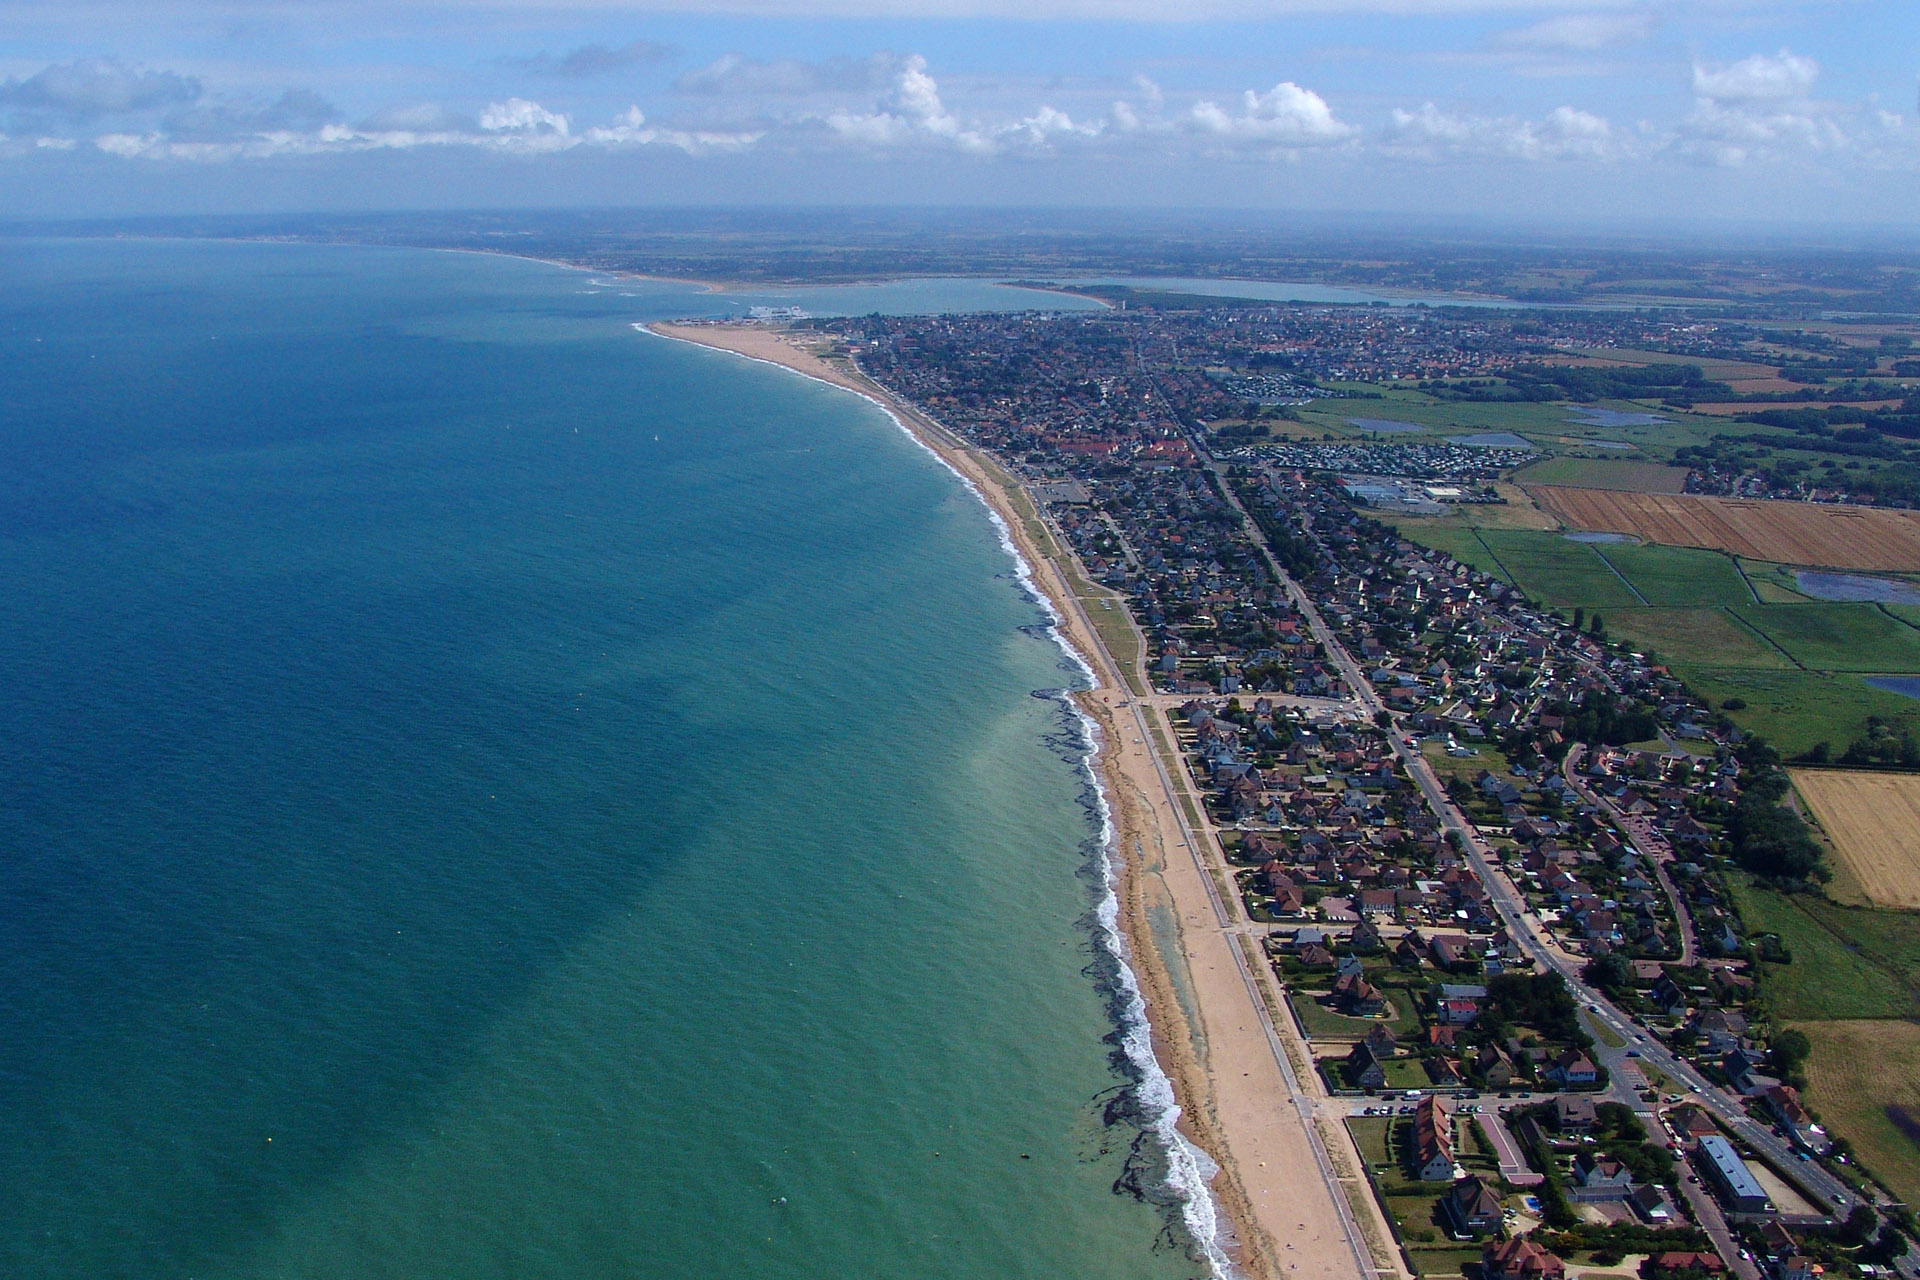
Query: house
x,y
1364,1067
1354,996
1783,1102
1650,1204
1472,1208
1365,938
1573,1070
1796,1266
1691,1123
1776,1241
1520,1259
1383,1042
1687,1260
1599,1178
1431,1150
1494,1066
1574,1115
1444,1072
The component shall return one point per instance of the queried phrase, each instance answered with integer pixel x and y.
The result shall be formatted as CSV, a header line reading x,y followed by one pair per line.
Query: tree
x,y
1598,630
1790,1049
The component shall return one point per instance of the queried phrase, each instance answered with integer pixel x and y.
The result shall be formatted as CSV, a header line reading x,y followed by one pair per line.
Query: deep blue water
x,y
488,793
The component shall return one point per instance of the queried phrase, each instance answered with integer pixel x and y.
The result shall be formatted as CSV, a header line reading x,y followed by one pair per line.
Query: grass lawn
x,y
1682,635
1864,1081
1556,571
1370,1139
1794,709
1840,637
1486,757
1323,1023
1831,976
1407,1073
1414,1213
1684,576
1451,1261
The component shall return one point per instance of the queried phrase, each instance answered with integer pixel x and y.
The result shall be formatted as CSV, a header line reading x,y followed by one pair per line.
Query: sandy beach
x,y
1219,1024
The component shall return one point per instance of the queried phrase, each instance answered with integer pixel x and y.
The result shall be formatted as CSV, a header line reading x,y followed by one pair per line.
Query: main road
x,y
1512,907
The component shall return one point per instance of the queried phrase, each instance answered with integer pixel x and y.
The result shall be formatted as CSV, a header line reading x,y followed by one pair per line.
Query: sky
x,y
1744,112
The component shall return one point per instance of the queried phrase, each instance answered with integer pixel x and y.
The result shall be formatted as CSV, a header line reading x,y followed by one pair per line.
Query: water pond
x,y
1856,586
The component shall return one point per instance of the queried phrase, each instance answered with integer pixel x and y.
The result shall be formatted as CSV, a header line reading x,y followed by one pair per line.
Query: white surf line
x,y
1190,1171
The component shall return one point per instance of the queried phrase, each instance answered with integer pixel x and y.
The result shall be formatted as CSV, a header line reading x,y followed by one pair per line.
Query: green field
x,y
1840,637
1556,571
1604,473
1847,962
1460,541
1674,634
1682,576
1795,662
1794,709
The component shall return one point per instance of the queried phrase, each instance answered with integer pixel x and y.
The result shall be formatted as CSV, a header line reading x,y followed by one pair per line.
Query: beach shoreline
x,y
1210,1035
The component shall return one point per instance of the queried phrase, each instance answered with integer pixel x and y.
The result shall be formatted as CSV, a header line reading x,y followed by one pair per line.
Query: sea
x,y
487,792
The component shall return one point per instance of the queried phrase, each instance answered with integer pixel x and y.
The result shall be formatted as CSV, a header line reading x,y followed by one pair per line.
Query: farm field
x,y
1679,634
1837,971
1871,819
1604,473
1794,709
1677,575
1839,637
1864,1080
1784,532
1557,571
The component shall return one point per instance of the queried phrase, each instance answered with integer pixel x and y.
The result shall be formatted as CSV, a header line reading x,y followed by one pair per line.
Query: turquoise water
x,y
488,793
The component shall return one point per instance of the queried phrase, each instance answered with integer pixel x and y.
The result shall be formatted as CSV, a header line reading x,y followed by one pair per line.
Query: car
x,y
1633,1053
1593,1008
1525,1093
1693,1179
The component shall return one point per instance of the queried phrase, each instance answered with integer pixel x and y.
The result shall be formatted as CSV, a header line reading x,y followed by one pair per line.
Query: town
x,y
1488,848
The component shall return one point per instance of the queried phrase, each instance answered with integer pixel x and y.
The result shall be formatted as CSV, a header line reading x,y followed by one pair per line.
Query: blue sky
x,y
1751,111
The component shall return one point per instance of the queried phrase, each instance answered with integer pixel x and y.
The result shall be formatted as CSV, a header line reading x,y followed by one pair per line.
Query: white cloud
x,y
912,114
522,115
1284,116
1583,32
1566,133
1758,108
1782,77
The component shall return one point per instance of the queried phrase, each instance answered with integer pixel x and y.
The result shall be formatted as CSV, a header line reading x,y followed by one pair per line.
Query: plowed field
x,y
1806,533
1872,818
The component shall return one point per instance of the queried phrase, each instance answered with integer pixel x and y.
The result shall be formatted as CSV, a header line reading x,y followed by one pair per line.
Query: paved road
x,y
1644,837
